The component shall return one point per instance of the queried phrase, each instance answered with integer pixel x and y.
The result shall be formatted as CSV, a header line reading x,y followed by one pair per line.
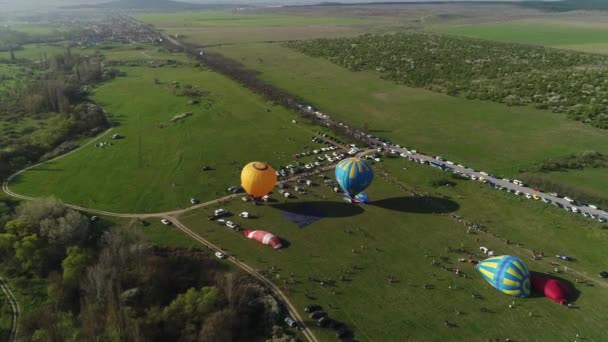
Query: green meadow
x,y
575,34
156,166
486,135
213,28
396,234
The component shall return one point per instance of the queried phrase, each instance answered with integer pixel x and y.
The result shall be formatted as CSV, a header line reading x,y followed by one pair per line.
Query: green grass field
x,y
404,230
36,51
154,169
232,19
134,52
210,28
574,34
481,134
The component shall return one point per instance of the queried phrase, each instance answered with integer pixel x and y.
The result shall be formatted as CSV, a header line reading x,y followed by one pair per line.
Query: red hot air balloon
x,y
264,237
552,288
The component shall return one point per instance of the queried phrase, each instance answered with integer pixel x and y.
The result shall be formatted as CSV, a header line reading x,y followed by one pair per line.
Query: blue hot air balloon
x,y
354,175
508,274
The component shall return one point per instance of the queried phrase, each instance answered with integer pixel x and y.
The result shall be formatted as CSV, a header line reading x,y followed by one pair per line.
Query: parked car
x,y
603,274
324,322
220,255
342,332
94,218
312,308
165,222
231,224
194,201
290,322
220,212
318,314
563,257
484,250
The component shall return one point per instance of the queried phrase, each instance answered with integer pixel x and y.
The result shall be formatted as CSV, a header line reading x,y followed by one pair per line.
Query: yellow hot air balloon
x,y
258,179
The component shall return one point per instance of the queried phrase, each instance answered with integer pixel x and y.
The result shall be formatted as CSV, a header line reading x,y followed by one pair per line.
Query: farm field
x,y
481,134
155,169
578,33
134,52
392,236
213,28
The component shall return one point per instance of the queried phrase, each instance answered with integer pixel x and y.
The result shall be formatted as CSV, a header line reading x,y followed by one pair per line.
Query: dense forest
x,y
106,283
514,74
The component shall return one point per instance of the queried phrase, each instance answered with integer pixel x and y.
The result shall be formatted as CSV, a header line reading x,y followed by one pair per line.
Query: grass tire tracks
x,y
16,310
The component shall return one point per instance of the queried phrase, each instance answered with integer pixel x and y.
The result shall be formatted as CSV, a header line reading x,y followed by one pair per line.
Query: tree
x,y
219,327
53,221
366,127
74,265
6,243
193,305
71,228
28,251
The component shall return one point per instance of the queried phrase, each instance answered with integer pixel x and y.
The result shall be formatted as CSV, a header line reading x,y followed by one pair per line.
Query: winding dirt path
x,y
16,310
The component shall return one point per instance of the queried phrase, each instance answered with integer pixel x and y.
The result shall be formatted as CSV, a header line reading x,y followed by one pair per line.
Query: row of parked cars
x,y
448,166
323,320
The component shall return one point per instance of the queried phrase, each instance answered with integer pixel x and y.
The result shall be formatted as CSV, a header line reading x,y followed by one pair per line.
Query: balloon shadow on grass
x,y
320,209
421,205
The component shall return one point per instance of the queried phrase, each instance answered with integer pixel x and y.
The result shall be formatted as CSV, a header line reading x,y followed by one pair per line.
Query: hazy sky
x,y
12,5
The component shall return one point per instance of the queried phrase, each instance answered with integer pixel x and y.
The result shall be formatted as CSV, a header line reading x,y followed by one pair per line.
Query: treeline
x,y
567,5
57,96
110,284
514,74
589,159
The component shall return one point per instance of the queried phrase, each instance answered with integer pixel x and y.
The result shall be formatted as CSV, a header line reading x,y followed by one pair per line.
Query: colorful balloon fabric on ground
x,y
554,289
508,274
258,179
354,175
264,237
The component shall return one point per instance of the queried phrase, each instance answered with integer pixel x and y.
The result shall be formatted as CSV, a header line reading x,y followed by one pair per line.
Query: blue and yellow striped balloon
x,y
508,274
354,175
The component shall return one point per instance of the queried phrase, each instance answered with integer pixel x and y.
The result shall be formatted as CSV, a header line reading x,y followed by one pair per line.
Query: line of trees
x,y
576,161
514,74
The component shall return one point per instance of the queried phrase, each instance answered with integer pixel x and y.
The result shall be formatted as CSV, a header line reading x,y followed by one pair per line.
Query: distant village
x,y
116,29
